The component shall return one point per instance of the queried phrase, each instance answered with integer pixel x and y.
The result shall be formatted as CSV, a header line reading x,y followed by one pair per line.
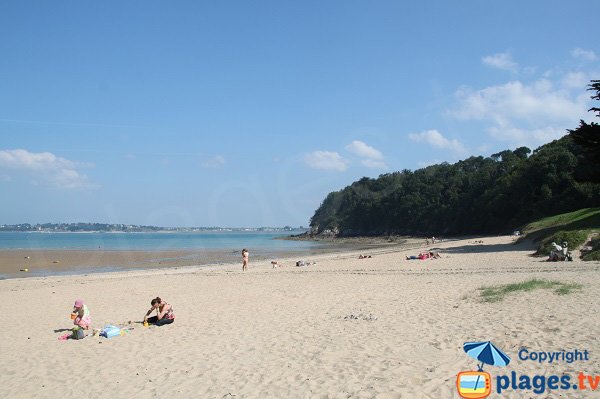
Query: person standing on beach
x,y
245,255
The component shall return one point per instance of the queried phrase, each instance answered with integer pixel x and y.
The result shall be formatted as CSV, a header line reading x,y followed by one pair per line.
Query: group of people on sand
x,y
164,314
433,240
164,311
274,264
560,253
424,255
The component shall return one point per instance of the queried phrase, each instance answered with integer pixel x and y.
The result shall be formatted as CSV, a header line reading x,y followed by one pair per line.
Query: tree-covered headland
x,y
478,195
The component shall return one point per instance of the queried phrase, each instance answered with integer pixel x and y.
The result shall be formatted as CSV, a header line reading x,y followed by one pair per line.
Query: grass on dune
x,y
498,292
573,227
580,219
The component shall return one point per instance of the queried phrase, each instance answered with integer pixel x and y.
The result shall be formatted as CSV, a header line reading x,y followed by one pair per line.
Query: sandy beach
x,y
381,327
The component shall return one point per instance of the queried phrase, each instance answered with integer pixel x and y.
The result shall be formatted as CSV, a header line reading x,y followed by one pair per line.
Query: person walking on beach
x,y
245,255
164,313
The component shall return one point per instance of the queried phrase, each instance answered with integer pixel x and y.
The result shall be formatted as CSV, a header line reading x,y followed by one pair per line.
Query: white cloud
x,y
371,157
515,101
575,80
527,113
436,139
46,167
587,55
363,150
214,163
326,160
502,61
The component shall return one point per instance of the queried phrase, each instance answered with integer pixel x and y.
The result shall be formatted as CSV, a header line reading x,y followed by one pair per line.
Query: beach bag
x,y
110,331
78,333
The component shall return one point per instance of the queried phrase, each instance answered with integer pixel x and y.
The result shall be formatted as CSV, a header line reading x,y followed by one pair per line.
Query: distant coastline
x,y
130,228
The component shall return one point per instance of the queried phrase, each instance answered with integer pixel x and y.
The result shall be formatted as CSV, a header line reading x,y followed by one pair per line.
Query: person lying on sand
x,y
164,313
361,256
81,315
425,255
301,263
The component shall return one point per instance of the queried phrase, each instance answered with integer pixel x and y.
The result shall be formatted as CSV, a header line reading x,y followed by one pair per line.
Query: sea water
x,y
203,240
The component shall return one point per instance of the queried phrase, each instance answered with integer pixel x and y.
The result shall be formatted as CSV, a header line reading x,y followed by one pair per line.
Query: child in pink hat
x,y
83,318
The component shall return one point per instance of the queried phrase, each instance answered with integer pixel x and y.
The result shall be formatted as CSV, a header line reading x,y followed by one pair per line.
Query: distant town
x,y
127,228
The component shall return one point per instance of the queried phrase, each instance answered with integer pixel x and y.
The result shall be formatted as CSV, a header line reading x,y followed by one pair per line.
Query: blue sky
x,y
197,113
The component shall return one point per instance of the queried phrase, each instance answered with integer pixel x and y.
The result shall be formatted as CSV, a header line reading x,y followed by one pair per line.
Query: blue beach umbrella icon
x,y
487,353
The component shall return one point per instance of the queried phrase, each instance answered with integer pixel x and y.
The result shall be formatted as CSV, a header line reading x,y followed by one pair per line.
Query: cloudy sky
x,y
249,113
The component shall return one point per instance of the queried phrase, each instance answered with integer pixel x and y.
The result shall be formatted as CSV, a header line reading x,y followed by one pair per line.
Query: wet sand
x,y
48,262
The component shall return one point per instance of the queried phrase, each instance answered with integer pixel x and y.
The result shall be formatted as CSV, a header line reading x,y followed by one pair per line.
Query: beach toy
x,y
145,324
64,337
73,316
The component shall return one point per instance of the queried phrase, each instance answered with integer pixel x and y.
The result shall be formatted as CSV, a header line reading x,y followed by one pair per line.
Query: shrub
x,y
594,254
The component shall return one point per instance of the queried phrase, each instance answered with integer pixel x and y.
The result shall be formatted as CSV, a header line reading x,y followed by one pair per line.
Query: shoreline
x,y
61,262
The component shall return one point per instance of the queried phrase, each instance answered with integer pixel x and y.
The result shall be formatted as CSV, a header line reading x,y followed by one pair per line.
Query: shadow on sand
x,y
477,248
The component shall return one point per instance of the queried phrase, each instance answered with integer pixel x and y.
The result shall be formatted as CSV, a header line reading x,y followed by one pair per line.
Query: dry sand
x,y
344,328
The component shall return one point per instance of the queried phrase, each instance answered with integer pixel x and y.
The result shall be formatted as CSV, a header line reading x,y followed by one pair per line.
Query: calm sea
x,y
153,241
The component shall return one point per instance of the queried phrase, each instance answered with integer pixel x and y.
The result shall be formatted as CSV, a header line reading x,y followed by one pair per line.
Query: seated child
x,y
164,313
82,315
